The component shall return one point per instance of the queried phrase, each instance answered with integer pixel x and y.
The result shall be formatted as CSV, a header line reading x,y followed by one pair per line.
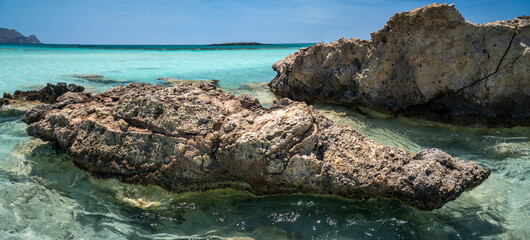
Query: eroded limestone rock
x,y
195,137
427,63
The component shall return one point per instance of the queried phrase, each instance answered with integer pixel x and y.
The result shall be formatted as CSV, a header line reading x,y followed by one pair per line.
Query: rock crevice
x,y
496,69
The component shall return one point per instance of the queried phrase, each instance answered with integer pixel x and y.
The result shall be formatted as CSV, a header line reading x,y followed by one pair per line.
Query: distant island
x,y
237,43
13,36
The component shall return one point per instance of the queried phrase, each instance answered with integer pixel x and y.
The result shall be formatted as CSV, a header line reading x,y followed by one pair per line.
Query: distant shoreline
x,y
237,43
230,46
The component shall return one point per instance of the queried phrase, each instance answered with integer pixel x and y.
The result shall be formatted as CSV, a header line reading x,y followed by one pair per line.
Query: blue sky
x,y
210,21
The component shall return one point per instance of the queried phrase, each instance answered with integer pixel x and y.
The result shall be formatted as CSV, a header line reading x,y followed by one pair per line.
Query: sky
x,y
211,21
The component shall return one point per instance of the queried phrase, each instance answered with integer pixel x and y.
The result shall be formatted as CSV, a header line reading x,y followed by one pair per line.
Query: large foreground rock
x,y
196,137
427,63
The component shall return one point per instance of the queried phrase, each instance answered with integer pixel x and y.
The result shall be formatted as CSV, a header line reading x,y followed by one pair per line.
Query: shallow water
x,y
43,195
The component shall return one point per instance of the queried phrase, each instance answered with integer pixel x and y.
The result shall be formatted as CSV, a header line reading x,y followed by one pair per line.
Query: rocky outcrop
x,y
21,101
48,94
195,137
427,63
12,36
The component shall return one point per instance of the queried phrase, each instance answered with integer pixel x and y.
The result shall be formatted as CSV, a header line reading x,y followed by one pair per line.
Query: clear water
x,y
44,196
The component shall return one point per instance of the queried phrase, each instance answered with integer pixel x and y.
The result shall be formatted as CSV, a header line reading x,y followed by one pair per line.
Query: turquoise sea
x,y
44,196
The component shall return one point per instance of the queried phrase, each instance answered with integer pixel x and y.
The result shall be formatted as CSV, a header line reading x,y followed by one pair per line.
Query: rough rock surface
x,y
195,137
427,63
12,36
21,101
48,94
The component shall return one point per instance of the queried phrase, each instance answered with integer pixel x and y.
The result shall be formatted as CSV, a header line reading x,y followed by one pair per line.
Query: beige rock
x,y
170,81
97,78
427,63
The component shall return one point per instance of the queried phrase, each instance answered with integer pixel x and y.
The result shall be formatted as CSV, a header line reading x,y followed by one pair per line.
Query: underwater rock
x,y
97,78
195,137
46,94
259,90
16,107
169,81
428,63
21,101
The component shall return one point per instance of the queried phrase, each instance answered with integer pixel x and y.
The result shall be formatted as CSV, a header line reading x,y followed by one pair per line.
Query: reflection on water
x,y
43,195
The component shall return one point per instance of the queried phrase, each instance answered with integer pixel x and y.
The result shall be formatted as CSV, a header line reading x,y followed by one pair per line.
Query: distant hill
x,y
12,36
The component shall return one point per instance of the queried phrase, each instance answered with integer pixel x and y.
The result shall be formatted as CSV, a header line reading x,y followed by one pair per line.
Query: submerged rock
x,y
427,63
259,90
170,81
196,137
97,78
16,107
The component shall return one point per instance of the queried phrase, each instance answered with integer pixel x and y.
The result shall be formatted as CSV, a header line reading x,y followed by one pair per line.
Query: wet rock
x,y
21,101
97,78
46,94
196,137
17,107
428,63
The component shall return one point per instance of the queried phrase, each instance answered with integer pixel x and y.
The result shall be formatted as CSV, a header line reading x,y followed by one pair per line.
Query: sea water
x,y
44,196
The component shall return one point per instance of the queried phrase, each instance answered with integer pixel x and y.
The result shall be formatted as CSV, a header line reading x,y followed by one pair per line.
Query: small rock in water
x,y
170,81
88,76
21,101
97,78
